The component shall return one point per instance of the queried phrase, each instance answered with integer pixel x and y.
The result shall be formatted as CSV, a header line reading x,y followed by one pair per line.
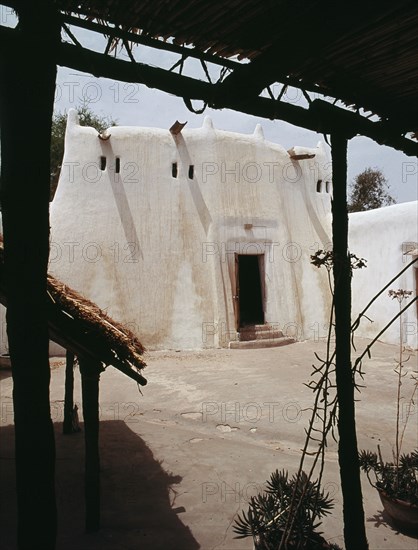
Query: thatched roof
x,y
365,54
82,327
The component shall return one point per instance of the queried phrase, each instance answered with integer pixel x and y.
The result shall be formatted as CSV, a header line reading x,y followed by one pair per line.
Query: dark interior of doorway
x,y
250,295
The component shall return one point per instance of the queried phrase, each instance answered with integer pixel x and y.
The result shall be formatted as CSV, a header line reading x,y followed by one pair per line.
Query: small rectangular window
x,y
102,163
117,165
174,169
191,171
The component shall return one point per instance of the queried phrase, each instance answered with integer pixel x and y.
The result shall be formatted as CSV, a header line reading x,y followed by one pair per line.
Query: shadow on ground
x,y
138,495
382,519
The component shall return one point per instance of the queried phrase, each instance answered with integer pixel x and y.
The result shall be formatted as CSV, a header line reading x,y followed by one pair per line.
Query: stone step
x,y
258,328
257,344
260,335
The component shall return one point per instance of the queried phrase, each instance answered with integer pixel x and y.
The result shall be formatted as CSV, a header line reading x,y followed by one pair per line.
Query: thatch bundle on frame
x,y
83,328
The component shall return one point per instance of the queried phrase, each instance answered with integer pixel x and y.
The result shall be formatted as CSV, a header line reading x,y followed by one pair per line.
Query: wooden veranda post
x,y
68,424
90,375
27,81
353,512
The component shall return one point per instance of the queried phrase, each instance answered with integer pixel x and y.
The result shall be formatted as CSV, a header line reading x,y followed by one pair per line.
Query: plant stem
x,y
381,291
398,401
369,346
408,411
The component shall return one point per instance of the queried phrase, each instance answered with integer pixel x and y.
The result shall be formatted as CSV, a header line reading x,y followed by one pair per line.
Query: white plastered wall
x,y
382,237
157,251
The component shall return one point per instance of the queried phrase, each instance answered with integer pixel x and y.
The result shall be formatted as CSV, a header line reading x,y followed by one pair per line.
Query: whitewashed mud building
x,y
191,236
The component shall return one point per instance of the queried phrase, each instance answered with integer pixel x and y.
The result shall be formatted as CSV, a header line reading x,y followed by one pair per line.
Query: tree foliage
x,y
59,123
369,191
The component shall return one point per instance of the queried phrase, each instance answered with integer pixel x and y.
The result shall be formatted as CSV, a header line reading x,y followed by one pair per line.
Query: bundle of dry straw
x,y
83,328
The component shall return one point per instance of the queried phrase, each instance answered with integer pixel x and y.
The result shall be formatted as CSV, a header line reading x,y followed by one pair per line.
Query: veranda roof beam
x,y
321,116
136,38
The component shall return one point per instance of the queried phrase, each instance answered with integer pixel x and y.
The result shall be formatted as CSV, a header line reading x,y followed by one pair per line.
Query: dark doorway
x,y
249,290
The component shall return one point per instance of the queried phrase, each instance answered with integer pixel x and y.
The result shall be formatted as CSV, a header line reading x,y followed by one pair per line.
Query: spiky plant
x,y
268,518
397,482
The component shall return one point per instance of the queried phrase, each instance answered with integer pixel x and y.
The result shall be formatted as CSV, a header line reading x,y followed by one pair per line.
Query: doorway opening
x,y
249,273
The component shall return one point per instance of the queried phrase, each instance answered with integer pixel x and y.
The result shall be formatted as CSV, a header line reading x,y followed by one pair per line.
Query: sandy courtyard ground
x,y
180,461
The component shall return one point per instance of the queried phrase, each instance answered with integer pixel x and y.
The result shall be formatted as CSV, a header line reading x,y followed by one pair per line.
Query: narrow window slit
x,y
191,171
319,186
117,165
174,169
102,163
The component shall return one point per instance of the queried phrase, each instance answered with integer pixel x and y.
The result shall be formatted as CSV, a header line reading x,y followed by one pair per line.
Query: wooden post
x,y
353,513
27,82
90,375
70,424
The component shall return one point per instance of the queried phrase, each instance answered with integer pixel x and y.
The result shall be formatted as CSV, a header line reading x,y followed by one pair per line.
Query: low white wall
x,y
382,237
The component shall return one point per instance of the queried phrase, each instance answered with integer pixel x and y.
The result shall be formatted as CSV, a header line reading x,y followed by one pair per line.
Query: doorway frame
x,y
236,290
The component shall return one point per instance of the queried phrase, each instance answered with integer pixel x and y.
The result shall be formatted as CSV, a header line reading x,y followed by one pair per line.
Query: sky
x,y
137,105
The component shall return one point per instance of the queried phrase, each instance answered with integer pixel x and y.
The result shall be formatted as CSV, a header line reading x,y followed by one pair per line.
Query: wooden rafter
x,y
359,57
115,33
136,38
320,117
